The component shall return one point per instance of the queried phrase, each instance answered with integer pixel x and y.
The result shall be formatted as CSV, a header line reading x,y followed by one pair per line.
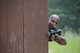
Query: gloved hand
x,y
59,39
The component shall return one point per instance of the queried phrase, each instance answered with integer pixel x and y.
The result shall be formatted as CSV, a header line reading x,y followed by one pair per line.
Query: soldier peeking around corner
x,y
54,34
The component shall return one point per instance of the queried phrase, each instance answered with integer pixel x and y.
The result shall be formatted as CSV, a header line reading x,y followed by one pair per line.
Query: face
x,y
53,22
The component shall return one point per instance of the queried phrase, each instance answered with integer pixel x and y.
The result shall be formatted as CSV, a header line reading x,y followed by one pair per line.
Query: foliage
x,y
69,12
72,46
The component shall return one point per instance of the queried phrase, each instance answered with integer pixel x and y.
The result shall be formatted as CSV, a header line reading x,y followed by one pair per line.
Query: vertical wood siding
x,y
23,26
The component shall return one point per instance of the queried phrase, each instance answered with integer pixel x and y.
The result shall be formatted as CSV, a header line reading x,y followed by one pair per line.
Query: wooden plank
x,y
3,27
35,26
15,26
18,25
20,17
23,19
10,25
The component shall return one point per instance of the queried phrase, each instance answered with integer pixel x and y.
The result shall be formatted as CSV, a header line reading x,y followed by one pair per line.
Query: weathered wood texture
x,y
23,26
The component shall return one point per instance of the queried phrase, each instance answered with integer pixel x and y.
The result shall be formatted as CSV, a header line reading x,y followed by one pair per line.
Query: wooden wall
x,y
23,26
